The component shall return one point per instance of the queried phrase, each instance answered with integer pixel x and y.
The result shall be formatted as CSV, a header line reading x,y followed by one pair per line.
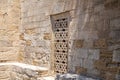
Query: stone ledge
x,y
21,71
22,65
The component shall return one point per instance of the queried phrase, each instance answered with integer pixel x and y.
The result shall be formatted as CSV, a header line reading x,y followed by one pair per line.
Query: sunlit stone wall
x,y
9,30
26,34
94,32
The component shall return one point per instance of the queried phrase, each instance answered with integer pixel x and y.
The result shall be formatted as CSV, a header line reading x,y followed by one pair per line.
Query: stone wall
x,y
95,45
26,35
36,31
94,32
9,30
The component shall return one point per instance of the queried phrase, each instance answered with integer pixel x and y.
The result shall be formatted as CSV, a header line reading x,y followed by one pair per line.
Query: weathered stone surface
x,y
101,43
80,70
9,33
117,77
26,35
47,36
73,77
20,71
116,56
78,43
94,54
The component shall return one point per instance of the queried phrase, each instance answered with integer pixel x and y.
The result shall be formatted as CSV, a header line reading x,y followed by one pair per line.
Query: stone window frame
x,y
54,17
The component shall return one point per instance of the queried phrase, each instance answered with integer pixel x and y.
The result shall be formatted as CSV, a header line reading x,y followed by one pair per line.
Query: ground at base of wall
x,y
74,77
47,78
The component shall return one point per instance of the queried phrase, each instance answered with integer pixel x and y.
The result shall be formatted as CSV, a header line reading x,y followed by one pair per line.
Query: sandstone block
x,y
100,65
94,54
80,70
115,24
5,43
106,56
28,42
109,76
78,43
100,43
47,36
116,55
88,63
82,53
30,31
111,4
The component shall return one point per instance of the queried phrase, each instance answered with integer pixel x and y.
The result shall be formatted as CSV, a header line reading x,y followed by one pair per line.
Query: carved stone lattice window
x,y
60,23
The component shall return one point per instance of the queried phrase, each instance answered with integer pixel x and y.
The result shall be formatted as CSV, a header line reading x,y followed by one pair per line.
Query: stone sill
x,y
25,66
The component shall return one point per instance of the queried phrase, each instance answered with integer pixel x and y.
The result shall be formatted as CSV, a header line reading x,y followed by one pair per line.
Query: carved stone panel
x,y
60,24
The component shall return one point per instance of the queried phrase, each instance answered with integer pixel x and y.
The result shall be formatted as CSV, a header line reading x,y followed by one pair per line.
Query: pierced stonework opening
x,y
60,24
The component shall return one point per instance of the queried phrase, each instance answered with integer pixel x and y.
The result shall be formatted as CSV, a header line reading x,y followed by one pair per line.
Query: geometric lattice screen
x,y
60,24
